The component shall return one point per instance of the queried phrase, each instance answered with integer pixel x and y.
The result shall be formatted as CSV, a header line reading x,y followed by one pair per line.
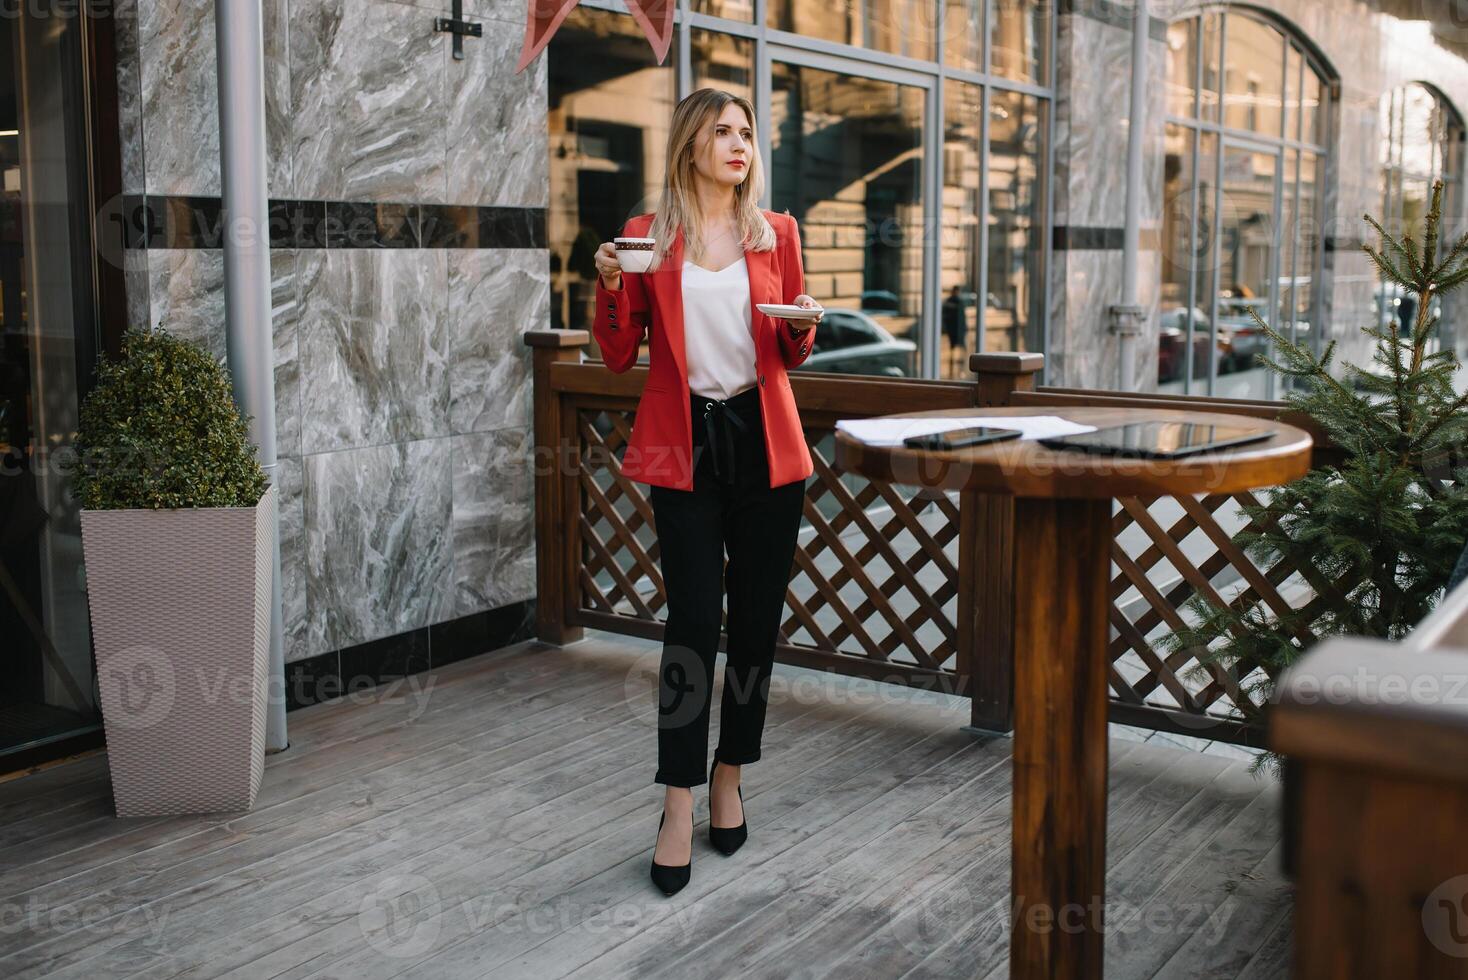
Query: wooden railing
x,y
901,584
1375,736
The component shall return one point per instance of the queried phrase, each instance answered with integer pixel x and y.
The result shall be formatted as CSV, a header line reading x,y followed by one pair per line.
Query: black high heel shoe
x,y
670,877
727,839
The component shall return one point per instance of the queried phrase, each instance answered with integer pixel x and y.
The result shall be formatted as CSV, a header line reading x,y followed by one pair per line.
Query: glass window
x,y
1013,308
50,314
963,32
722,61
1421,138
610,105
1248,240
1187,233
1294,64
905,27
1313,107
1211,29
849,156
1307,245
1253,97
847,162
1182,67
740,10
1240,229
959,275
1019,40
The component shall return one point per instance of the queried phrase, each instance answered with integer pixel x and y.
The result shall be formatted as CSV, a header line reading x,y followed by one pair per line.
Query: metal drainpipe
x,y
1128,316
239,46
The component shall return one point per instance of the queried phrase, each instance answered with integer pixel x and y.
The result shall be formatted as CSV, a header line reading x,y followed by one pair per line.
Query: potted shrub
x,y
177,521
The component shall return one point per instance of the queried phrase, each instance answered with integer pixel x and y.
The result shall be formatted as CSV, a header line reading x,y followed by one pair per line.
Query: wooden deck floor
x,y
496,819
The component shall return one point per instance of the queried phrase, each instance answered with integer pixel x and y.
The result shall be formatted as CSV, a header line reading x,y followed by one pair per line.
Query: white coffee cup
x,y
634,254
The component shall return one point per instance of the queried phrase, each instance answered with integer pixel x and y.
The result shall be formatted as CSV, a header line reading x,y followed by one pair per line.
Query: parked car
x,y
1172,347
882,302
851,342
1245,337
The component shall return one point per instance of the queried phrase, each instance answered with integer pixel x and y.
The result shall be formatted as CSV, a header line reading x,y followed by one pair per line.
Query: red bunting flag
x,y
543,17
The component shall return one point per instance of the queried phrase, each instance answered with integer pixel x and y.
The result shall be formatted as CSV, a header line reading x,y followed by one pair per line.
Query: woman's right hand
x,y
608,267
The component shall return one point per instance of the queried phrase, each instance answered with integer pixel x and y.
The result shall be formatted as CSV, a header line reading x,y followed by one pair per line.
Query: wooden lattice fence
x,y
904,584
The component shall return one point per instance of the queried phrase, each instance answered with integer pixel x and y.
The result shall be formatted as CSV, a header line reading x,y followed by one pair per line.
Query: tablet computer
x,y
1158,440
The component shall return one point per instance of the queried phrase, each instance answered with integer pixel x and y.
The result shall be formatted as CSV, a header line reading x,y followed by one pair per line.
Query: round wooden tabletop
x,y
1024,468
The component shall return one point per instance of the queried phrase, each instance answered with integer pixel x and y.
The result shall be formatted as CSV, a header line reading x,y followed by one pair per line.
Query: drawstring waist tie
x,y
720,418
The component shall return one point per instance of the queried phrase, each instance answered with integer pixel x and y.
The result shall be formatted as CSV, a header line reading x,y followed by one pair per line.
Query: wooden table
x,y
1061,575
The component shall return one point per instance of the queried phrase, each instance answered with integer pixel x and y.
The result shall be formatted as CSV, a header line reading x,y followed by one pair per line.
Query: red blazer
x,y
660,449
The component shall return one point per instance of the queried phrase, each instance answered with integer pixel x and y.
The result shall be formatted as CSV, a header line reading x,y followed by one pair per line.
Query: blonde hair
x,y
678,205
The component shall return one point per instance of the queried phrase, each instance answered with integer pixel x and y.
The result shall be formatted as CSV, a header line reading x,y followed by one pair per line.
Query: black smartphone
x,y
957,438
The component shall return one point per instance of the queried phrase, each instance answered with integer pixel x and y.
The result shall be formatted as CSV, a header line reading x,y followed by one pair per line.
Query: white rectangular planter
x,y
180,605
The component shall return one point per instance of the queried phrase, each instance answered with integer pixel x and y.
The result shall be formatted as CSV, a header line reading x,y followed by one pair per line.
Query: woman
x,y
718,439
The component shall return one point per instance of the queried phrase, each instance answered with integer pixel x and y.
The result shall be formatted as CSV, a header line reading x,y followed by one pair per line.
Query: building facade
x,y
957,169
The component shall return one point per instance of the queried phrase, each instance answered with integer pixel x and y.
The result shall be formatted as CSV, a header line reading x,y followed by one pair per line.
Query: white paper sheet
x,y
891,432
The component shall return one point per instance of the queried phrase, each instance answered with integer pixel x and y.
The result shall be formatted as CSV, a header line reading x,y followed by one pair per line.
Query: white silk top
x,y
717,340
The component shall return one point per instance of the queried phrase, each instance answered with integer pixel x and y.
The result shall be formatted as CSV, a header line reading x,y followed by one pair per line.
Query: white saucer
x,y
790,312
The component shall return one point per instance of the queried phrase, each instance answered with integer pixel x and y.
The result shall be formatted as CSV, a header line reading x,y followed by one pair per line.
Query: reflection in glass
x,y
1307,250
1312,109
1294,64
847,162
722,61
905,27
1013,313
50,343
1419,130
1183,343
963,33
1019,33
1253,99
1247,241
1212,46
1421,138
959,278
610,105
1290,285
740,10
1221,243
1182,66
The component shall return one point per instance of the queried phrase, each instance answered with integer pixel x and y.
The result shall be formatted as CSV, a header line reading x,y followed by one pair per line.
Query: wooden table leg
x,y
1062,568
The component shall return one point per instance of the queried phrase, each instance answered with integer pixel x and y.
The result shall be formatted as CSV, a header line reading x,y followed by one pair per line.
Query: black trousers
x,y
730,506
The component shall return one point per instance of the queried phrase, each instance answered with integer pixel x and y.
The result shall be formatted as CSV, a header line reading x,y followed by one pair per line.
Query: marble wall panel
x,y
494,519
1094,82
497,148
378,541
186,294
290,478
374,346
1082,348
368,109
177,70
129,95
495,295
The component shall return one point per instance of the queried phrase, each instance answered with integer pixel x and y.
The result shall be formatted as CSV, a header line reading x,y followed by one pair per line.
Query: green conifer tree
x,y
1377,534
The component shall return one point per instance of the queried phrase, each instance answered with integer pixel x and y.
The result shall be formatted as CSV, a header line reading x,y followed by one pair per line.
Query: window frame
x,y
772,44
1394,172
1281,145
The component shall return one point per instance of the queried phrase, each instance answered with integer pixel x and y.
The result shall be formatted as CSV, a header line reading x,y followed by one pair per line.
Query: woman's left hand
x,y
807,301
